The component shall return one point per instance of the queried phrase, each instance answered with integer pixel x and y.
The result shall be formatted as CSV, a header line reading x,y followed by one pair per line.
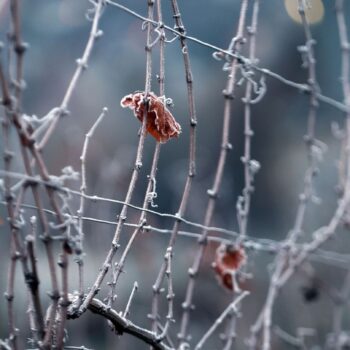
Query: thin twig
x,y
82,64
289,339
265,318
258,244
19,49
161,80
12,108
138,164
310,140
253,243
250,167
340,306
4,345
150,190
170,294
339,309
232,307
33,282
9,295
13,116
7,156
118,268
131,298
192,156
83,189
213,192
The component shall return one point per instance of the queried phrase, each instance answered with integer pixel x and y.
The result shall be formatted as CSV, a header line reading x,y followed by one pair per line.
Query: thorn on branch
x,y
192,272
227,146
9,297
81,63
99,33
228,95
193,122
212,193
138,165
21,48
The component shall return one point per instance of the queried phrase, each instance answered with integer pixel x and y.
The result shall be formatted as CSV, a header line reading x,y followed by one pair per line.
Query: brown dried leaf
x,y
160,122
227,261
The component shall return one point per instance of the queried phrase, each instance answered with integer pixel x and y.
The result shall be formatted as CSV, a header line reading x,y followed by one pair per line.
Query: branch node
x,y
21,48
212,193
228,95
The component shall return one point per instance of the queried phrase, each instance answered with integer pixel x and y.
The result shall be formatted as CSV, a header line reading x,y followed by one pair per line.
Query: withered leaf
x,y
160,122
227,261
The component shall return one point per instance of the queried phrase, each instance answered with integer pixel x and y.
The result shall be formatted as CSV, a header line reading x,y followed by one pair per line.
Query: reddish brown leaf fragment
x,y
227,261
160,122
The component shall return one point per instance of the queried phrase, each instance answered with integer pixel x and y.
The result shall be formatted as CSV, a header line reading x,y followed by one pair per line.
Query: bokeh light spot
x,y
314,10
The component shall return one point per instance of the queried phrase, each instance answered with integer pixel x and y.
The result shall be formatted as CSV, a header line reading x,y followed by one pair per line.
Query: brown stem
x,y
138,164
192,158
213,192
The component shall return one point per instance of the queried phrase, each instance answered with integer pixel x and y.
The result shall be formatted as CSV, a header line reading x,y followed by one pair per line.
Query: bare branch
x,y
82,64
138,163
123,325
213,192
231,308
83,189
131,297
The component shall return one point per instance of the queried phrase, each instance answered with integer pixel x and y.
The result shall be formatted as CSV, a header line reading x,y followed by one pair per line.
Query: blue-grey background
x,y
57,32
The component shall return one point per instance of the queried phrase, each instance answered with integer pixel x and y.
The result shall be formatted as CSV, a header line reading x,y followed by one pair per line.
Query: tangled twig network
x,y
203,284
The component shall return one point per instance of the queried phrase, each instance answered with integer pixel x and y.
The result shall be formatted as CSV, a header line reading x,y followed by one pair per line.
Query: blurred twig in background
x,y
42,247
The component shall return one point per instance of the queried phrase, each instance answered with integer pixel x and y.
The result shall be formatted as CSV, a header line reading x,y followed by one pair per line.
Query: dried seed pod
x,y
228,260
160,122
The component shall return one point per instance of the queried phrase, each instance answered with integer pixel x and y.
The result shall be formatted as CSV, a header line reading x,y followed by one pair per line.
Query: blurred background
x,y
57,31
